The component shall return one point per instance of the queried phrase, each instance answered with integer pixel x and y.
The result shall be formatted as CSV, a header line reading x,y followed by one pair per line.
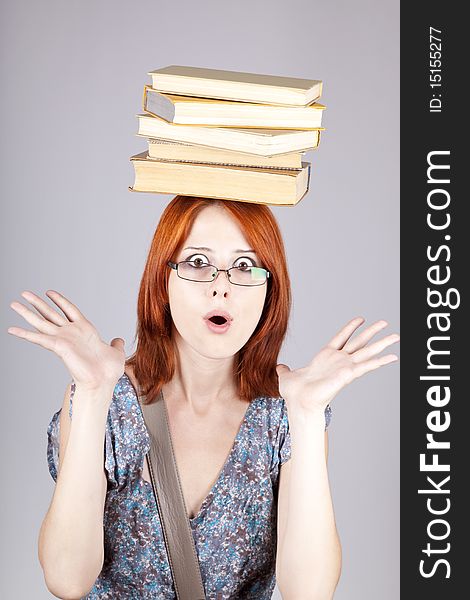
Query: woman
x,y
213,311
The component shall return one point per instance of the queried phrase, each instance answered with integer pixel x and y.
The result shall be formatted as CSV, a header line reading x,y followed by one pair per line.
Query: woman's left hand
x,y
342,360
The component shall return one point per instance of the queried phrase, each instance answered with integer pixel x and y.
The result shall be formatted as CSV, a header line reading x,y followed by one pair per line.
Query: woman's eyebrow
x,y
209,249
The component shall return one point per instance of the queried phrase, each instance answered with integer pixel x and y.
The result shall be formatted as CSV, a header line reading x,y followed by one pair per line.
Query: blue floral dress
x,y
235,529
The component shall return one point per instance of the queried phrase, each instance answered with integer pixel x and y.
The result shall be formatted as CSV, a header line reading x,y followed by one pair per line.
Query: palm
x,y
85,354
341,361
73,338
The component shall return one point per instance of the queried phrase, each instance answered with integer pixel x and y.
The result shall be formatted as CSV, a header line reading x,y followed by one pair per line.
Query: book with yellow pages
x,y
190,110
266,142
235,85
167,150
263,186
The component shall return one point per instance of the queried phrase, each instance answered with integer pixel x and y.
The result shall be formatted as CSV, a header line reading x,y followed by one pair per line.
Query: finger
x,y
118,343
361,339
33,319
44,309
345,333
31,336
281,368
70,310
374,363
375,348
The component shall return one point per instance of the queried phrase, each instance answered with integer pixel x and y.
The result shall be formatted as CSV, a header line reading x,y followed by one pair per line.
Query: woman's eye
x,y
244,262
198,260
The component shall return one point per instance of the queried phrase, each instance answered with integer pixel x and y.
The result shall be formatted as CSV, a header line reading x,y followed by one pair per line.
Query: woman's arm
x,y
308,562
71,536
70,545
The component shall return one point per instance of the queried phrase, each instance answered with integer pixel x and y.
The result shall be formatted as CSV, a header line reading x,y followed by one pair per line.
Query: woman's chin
x,y
217,347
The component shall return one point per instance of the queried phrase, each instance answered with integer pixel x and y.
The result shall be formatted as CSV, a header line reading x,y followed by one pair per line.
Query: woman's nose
x,y
220,284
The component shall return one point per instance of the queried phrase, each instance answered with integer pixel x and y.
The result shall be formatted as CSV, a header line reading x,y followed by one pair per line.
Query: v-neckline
x,y
225,465
212,490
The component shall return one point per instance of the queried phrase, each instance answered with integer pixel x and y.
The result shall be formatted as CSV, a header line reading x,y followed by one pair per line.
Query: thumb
x,y
281,369
118,343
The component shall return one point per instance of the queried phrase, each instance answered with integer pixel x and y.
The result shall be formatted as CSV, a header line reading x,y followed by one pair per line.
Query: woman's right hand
x,y
91,362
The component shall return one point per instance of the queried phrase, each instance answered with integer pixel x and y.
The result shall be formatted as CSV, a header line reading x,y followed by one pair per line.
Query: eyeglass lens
x,y
242,276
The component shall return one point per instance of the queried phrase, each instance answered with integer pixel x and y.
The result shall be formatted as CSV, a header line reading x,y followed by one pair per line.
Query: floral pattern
x,y
235,529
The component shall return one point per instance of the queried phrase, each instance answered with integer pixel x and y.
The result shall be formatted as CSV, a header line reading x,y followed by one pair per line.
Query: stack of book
x,y
226,134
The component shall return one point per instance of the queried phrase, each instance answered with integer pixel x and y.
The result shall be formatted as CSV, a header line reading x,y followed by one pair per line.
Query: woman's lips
x,y
217,328
214,317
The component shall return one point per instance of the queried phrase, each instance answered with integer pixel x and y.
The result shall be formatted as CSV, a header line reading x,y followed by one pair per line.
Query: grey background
x,y
72,75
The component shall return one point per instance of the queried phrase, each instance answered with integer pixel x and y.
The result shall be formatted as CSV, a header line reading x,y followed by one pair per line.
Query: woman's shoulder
x,y
270,406
127,440
125,434
125,403
272,414
268,413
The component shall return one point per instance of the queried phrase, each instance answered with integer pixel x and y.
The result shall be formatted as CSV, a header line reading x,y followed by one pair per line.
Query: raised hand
x,y
91,362
341,361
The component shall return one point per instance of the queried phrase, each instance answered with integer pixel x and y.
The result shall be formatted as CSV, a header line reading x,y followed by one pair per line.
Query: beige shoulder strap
x,y
169,497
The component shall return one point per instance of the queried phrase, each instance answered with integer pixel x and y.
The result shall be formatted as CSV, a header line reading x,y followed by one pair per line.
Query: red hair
x,y
155,358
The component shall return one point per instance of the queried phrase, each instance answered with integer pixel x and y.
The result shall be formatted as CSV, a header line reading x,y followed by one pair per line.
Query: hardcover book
x,y
167,150
190,110
266,142
235,85
262,186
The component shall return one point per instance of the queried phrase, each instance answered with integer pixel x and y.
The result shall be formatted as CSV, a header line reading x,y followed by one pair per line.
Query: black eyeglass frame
x,y
175,267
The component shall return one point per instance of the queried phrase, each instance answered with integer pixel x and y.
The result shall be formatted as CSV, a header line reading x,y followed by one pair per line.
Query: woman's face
x,y
215,238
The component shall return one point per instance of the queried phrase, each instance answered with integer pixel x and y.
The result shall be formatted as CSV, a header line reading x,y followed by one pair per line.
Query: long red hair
x,y
155,358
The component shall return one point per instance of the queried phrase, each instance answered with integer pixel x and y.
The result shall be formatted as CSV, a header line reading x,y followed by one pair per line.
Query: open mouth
x,y
218,320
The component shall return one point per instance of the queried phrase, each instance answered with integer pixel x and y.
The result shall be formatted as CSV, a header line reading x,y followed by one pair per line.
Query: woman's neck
x,y
201,383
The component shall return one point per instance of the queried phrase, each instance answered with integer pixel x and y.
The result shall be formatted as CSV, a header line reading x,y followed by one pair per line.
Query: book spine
x,y
223,164
257,94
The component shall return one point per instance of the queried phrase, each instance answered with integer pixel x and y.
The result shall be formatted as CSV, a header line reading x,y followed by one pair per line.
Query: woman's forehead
x,y
216,229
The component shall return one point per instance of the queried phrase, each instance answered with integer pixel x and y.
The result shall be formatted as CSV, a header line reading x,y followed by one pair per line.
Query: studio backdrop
x,y
72,77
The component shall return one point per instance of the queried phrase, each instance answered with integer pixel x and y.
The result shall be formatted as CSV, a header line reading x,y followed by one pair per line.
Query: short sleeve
x,y
284,442
53,441
53,437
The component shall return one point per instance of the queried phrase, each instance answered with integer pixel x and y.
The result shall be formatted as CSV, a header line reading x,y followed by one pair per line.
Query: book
x,y
167,150
266,142
190,110
263,186
235,85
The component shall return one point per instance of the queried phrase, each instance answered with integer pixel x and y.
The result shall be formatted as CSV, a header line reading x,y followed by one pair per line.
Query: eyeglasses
x,y
204,272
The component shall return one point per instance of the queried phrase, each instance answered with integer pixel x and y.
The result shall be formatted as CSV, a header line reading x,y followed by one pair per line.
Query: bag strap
x,y
171,506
